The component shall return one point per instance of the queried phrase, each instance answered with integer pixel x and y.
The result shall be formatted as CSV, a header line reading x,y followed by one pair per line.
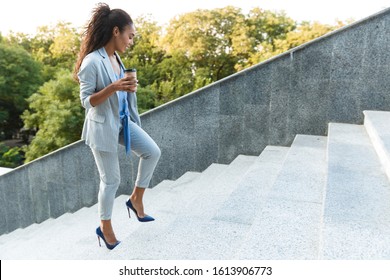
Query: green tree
x,y
205,38
10,157
19,39
55,47
305,32
261,27
217,43
176,77
19,78
145,56
146,99
65,46
55,112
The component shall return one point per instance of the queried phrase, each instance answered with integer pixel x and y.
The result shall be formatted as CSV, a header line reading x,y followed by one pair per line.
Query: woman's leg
x,y
149,153
108,167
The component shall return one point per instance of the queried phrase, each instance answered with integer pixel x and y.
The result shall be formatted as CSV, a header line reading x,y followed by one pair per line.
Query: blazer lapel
x,y
108,67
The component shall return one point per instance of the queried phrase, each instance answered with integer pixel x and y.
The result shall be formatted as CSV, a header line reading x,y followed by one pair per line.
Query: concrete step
x,y
377,124
357,204
71,236
220,237
243,204
287,225
52,239
62,221
214,230
172,237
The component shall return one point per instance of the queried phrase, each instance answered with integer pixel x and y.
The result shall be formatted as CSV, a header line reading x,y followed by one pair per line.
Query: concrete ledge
x,y
377,125
4,170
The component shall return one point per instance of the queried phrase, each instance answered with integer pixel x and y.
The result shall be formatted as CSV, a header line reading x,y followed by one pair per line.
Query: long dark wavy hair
x,y
98,30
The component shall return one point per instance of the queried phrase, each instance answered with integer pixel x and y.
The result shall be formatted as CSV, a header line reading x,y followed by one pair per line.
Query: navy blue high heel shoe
x,y
147,218
100,235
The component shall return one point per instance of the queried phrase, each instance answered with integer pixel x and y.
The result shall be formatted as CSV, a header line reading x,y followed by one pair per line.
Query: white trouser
x,y
108,165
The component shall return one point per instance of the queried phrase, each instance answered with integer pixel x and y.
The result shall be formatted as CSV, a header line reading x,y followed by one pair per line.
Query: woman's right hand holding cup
x,y
131,75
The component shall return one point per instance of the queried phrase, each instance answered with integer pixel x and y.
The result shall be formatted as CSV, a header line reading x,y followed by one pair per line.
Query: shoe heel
x,y
99,234
128,211
130,207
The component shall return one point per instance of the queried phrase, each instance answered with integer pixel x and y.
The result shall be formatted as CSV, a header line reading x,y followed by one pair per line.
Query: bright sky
x,y
26,15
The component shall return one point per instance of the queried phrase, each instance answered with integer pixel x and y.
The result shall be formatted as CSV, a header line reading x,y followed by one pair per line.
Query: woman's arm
x,y
88,80
101,96
126,84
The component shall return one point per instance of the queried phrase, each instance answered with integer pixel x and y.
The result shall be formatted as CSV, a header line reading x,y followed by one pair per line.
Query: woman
x,y
111,113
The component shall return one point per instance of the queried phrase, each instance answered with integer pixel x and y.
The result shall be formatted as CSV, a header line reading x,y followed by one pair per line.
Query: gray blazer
x,y
102,123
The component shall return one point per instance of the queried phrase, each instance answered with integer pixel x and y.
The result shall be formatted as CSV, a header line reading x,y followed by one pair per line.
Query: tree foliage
x,y
304,32
55,112
204,39
146,55
10,157
19,78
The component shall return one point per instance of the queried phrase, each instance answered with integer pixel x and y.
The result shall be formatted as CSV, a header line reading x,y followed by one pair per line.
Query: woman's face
x,y
125,39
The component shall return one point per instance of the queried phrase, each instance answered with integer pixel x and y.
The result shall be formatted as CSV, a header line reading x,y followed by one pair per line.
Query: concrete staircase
x,y
321,198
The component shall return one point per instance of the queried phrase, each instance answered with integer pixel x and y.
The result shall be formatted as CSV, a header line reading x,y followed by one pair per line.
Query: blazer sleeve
x,y
88,81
